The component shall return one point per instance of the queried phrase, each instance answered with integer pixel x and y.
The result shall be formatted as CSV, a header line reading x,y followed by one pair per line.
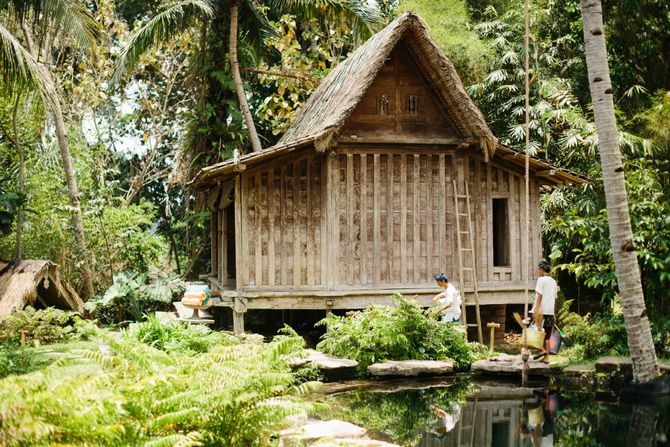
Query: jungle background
x,y
138,135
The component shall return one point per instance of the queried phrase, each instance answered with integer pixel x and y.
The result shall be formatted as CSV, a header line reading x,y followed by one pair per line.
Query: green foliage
x,y
592,337
45,326
398,332
660,330
234,395
132,296
178,337
451,30
17,359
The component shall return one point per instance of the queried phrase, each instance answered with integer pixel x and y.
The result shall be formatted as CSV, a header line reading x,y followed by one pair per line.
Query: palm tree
x,y
26,62
175,17
636,321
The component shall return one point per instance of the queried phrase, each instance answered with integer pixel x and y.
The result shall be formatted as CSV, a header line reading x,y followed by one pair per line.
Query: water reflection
x,y
462,414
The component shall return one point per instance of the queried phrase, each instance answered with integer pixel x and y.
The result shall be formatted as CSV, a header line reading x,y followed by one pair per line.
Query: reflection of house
x,y
356,201
489,419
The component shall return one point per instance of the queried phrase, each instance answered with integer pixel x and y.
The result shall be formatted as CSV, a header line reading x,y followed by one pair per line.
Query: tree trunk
x,y
73,191
239,87
640,342
22,182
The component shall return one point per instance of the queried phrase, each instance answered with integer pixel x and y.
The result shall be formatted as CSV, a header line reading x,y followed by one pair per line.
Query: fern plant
x,y
397,332
235,395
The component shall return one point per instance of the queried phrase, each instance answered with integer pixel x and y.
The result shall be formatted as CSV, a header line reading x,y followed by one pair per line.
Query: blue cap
x,y
441,277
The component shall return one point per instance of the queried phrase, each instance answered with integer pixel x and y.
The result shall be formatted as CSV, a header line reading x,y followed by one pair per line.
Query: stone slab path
x,y
411,368
510,364
328,434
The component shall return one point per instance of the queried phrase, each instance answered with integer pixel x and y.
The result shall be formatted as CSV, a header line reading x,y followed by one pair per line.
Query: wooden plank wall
x,y
393,229
397,220
388,220
281,236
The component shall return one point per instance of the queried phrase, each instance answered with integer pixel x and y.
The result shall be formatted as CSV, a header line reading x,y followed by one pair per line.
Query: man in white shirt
x,y
449,300
545,302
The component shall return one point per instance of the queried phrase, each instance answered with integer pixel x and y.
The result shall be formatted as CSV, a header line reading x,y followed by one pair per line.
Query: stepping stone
x,y
329,366
316,430
509,364
411,368
580,375
353,443
622,365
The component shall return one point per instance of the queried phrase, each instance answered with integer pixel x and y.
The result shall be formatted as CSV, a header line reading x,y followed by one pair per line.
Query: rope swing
x,y
526,232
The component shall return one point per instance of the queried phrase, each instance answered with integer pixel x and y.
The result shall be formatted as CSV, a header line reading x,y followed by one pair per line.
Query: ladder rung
x,y
468,268
461,196
472,325
463,214
466,249
464,232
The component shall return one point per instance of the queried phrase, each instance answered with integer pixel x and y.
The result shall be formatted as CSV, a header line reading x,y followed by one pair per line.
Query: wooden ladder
x,y
469,248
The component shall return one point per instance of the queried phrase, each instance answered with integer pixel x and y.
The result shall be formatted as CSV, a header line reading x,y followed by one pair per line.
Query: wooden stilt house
x,y
358,199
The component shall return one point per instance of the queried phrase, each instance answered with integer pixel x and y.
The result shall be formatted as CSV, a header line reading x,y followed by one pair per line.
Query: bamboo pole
x,y
526,232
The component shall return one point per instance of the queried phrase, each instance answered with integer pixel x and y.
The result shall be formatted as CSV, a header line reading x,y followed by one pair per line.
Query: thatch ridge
x,y
342,89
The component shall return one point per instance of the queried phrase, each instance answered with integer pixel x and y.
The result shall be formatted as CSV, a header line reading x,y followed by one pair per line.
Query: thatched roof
x,y
340,92
35,283
343,88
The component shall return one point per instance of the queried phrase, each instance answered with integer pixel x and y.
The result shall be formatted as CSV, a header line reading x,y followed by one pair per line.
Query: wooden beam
x,y
283,226
442,214
258,237
403,218
239,249
404,140
350,219
389,217
309,223
297,218
272,215
376,261
417,234
363,218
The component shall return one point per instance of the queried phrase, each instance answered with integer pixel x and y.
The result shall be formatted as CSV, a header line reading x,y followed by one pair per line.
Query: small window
x,y
412,105
382,105
500,233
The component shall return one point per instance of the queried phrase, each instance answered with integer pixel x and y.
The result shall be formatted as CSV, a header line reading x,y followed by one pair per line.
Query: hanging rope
x,y
526,231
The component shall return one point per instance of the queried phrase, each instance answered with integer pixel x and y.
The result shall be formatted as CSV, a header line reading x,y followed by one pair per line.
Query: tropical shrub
x,y
235,395
399,332
592,337
660,331
132,296
44,326
178,337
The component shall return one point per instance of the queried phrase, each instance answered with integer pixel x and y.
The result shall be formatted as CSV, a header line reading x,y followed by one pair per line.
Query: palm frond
x,y
361,14
20,70
171,20
71,18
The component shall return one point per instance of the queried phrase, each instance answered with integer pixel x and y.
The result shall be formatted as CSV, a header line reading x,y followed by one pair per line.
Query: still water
x,y
463,413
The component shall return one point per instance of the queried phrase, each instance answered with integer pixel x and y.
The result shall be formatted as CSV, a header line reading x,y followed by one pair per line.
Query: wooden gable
x,y
399,105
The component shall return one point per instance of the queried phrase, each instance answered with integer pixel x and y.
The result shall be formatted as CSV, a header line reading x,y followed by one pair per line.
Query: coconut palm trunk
x,y
237,78
640,342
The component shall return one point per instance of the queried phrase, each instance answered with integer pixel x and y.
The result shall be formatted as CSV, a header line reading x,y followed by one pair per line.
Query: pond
x,y
465,413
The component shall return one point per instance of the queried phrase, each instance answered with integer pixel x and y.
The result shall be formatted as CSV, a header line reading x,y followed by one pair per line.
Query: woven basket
x,y
535,338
